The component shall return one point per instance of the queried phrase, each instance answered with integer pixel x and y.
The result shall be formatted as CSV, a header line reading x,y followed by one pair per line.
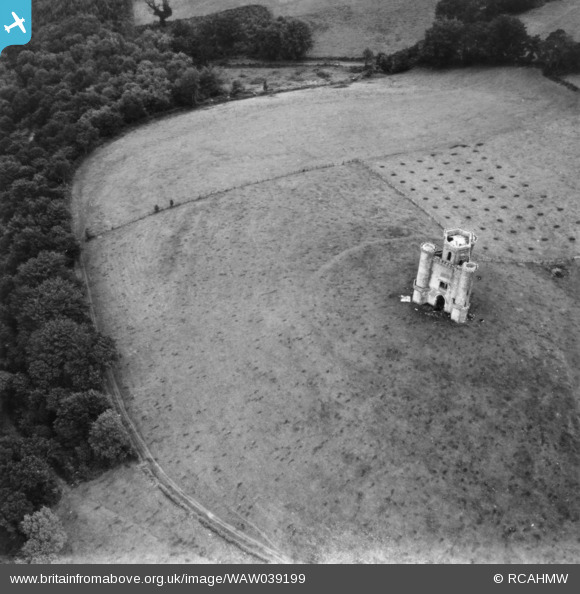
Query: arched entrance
x,y
440,303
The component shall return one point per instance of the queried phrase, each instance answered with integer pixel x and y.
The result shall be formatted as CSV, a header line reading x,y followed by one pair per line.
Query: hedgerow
x,y
485,32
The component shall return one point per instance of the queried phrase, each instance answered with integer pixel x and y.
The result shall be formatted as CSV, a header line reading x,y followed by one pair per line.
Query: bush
x,y
109,440
46,536
503,40
106,120
210,83
75,414
183,38
507,40
238,88
131,106
186,89
400,61
559,53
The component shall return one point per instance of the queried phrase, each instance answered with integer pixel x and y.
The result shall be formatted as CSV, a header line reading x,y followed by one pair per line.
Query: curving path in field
x,y
267,366
259,549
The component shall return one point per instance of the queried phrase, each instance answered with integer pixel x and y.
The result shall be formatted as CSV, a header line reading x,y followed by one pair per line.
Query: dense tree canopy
x,y
65,353
86,75
26,480
45,536
559,53
468,32
282,39
108,439
249,30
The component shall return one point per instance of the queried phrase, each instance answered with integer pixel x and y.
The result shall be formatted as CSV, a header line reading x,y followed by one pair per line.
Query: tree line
x,y
248,30
485,32
87,74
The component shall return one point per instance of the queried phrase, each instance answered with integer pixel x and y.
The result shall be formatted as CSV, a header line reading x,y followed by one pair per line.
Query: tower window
x,y
443,285
449,255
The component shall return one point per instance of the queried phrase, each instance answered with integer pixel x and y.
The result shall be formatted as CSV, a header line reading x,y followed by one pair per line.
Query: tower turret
x,y
462,297
457,246
421,284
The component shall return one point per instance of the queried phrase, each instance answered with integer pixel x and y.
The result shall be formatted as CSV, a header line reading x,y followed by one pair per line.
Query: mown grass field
x,y
266,355
340,28
560,14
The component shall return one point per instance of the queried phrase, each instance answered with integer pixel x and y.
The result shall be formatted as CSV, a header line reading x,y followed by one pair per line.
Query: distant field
x,y
340,28
347,28
266,356
559,14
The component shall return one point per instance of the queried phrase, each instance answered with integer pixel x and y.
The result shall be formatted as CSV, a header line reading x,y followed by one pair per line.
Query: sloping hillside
x,y
267,359
340,28
560,14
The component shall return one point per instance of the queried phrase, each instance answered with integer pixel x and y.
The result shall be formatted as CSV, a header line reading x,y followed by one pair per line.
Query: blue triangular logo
x,y
15,22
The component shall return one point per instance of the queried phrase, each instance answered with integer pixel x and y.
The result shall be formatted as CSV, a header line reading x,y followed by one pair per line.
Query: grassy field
x,y
340,29
482,185
266,355
383,25
560,14
122,517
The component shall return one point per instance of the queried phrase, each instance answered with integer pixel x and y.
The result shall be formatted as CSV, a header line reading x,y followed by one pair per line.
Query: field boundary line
x,y
448,145
323,61
562,81
168,486
553,262
397,191
214,193
563,260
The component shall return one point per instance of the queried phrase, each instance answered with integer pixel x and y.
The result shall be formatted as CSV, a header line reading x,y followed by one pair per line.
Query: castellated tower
x,y
445,277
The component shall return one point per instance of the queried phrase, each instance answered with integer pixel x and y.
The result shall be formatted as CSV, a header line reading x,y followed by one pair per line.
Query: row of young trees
x,y
478,32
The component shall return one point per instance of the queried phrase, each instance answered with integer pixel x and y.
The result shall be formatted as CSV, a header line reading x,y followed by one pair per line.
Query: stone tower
x,y
445,277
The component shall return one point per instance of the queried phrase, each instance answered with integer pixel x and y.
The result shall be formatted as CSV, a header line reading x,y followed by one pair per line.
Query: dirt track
x,y
267,360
